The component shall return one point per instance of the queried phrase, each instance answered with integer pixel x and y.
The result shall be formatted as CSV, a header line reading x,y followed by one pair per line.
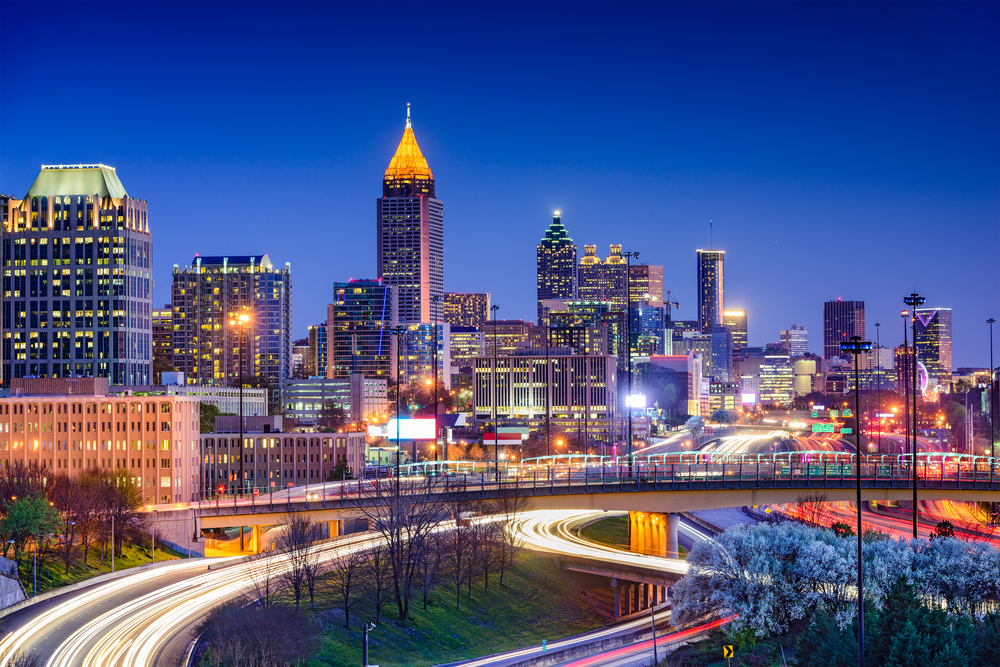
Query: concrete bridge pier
x,y
653,533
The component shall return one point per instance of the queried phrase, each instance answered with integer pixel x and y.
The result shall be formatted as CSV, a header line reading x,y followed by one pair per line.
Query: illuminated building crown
x,y
408,174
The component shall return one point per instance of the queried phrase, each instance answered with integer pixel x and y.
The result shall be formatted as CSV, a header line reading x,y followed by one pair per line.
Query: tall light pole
x,y
992,398
906,383
496,371
914,301
239,322
398,331
548,381
878,380
628,344
434,349
856,347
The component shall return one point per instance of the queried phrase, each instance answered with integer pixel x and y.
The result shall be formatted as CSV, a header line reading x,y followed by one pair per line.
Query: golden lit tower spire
x,y
408,174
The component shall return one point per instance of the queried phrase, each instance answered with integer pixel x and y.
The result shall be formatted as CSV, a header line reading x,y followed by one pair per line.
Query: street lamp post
x,y
628,345
906,383
913,301
548,382
398,331
240,321
496,371
857,346
434,351
878,380
992,398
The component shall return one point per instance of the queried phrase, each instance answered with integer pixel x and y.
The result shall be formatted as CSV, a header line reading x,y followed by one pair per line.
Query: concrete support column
x,y
633,531
334,528
255,540
672,521
618,600
648,536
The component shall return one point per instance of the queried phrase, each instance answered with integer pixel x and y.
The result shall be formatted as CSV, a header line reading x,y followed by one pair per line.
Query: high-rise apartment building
x,y
77,283
506,336
648,327
795,340
411,233
722,354
466,310
556,265
358,337
467,343
163,335
604,281
300,359
646,284
317,350
711,289
417,357
777,380
206,295
841,320
736,322
934,345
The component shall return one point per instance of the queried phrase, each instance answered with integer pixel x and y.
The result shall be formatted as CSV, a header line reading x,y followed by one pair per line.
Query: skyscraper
x,y
795,340
466,310
934,344
841,320
556,265
646,284
206,294
711,289
77,283
358,339
604,281
722,354
736,322
411,233
163,336
317,349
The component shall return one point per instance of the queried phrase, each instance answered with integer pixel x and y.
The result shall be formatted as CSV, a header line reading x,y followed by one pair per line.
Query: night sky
x,y
842,150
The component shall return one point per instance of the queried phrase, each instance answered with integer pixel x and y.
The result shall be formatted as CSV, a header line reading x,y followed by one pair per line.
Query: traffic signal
x,y
221,488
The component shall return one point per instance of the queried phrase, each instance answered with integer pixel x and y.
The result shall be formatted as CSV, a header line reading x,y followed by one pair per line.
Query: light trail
x,y
647,645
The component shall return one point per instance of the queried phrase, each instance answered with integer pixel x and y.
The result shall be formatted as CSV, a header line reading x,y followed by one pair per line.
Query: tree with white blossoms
x,y
771,575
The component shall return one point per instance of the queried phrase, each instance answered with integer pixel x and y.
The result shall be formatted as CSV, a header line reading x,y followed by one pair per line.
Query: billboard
x,y
411,429
635,401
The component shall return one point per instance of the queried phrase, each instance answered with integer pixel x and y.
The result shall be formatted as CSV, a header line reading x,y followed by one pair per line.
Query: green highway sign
x,y
822,428
815,414
833,414
846,413
846,431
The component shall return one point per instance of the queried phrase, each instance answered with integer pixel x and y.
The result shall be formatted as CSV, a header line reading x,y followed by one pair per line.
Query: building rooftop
x,y
78,179
234,260
408,162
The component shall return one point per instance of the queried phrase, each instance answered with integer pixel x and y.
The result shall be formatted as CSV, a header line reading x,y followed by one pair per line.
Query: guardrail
x,y
567,475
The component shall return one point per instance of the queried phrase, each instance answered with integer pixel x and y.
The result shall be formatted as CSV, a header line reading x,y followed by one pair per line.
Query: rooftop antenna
x,y
407,115
711,233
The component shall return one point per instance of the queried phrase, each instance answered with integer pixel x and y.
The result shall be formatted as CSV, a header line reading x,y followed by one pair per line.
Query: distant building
x,y
556,265
90,313
722,354
648,327
934,345
807,372
205,297
417,357
688,394
841,320
466,310
711,289
506,336
777,380
318,349
723,396
410,223
312,400
795,340
300,358
596,313
698,343
163,334
467,343
736,322
359,338
604,281
646,284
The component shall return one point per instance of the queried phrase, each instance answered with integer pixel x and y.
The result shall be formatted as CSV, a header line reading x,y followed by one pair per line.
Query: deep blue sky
x,y
843,149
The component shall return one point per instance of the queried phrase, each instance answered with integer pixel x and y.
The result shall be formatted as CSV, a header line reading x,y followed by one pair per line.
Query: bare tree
x,y
296,534
62,494
488,549
378,578
239,634
404,517
811,506
347,578
508,507
264,579
455,557
429,567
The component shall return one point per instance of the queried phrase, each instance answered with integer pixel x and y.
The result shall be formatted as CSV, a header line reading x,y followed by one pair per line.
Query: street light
x,y
992,398
628,344
239,322
856,346
913,301
434,351
398,331
878,379
496,370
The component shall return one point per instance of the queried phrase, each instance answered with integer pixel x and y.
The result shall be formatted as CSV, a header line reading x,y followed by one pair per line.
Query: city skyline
x,y
756,220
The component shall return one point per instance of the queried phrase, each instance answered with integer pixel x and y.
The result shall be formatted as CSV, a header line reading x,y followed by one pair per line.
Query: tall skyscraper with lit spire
x,y
556,267
411,233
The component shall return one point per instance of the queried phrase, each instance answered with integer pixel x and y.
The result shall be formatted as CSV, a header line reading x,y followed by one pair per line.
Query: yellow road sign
x,y
727,651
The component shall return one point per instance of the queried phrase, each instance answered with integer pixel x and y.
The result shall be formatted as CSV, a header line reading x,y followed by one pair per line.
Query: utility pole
x,y
878,380
398,331
496,372
991,395
239,322
548,382
434,349
628,345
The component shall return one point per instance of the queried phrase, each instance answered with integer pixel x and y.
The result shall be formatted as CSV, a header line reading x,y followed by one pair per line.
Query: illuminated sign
x,y
886,415
846,430
749,398
833,414
822,428
846,413
815,414
411,429
819,407
635,401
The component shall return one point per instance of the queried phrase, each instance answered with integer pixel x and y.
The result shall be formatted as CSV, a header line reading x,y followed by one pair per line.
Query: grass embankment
x,y
708,651
613,532
536,602
52,573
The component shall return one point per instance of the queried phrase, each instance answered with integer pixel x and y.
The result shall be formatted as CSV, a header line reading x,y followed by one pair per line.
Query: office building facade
x,y
466,310
555,265
736,322
711,289
359,320
467,343
207,295
312,400
318,349
163,336
722,354
410,231
604,281
646,284
934,345
841,321
77,262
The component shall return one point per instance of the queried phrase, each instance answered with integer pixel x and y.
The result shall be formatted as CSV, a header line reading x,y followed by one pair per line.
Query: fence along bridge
x,y
662,483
